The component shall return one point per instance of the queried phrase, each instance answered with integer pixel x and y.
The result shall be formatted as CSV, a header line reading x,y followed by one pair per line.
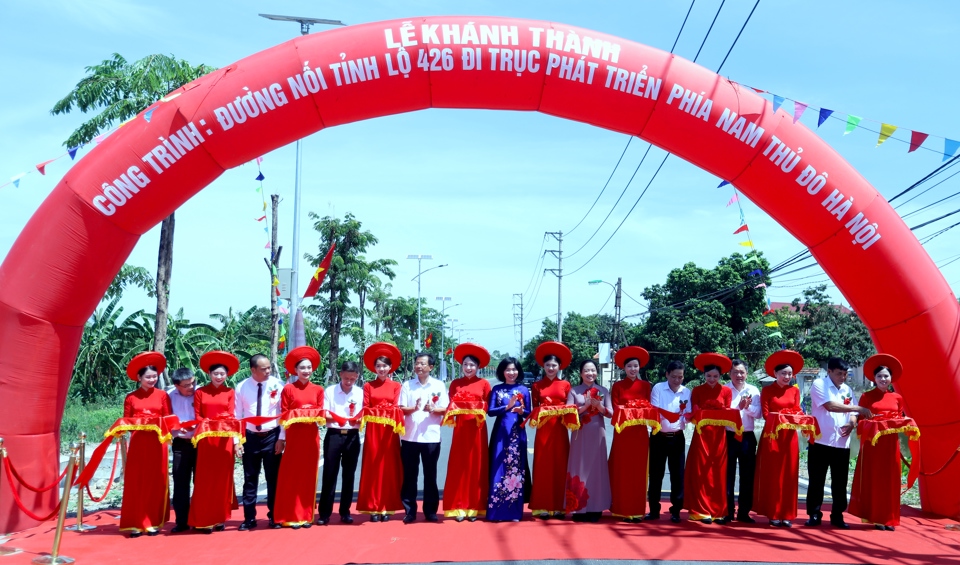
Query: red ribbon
x,y
30,487
16,495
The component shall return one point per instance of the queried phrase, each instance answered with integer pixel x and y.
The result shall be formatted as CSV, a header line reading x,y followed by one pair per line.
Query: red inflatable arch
x,y
73,246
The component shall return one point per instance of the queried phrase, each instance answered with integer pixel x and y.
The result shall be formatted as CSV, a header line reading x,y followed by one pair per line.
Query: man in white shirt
x,y
669,443
259,395
184,453
423,400
341,444
836,410
746,398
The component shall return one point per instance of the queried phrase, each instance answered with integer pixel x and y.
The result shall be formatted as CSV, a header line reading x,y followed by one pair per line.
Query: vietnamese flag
x,y
429,341
449,351
321,274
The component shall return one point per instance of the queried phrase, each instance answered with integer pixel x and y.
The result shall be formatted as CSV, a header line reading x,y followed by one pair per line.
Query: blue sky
x,y
478,189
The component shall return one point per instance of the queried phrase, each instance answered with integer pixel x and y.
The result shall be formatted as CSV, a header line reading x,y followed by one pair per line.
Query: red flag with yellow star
x,y
428,342
321,274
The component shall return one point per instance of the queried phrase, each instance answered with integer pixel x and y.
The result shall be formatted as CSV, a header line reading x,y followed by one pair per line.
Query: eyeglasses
x,y
186,384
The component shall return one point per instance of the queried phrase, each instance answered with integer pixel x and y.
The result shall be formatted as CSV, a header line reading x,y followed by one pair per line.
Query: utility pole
x,y
518,316
558,253
272,266
616,318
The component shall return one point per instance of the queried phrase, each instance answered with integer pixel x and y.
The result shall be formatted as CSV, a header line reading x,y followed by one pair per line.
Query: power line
x,y
936,171
615,204
615,167
667,156
931,174
704,42
750,15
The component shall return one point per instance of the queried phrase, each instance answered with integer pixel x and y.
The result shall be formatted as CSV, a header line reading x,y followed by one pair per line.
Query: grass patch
x,y
93,419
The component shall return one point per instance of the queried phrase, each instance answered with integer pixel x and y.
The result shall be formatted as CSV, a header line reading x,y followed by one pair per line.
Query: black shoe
x,y
460,519
307,525
775,523
178,528
890,528
707,520
385,518
432,518
746,519
218,528
578,518
839,524
813,522
559,516
273,525
543,516
786,524
409,518
675,518
135,534
376,517
724,521
879,527
471,519
294,526
346,519
649,517
208,531
323,521
247,525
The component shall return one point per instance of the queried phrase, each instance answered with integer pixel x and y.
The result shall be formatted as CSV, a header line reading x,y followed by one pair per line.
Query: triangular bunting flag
x,y
824,114
260,177
751,259
284,310
761,285
16,179
259,160
767,311
886,130
258,189
72,152
264,206
42,166
742,229
722,184
773,324
733,199
755,273
262,218
798,109
852,122
267,246
148,114
916,140
99,139
746,243
949,148
777,102
775,334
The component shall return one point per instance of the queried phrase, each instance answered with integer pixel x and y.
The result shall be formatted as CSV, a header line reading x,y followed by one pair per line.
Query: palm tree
x,y
119,91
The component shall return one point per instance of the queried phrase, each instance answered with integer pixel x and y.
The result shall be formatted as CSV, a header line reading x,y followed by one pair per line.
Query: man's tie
x,y
259,400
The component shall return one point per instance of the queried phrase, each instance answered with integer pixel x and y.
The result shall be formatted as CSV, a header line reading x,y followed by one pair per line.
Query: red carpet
x,y
919,540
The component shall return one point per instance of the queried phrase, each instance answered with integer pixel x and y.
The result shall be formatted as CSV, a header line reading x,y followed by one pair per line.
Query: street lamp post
x,y
420,272
616,307
443,313
305,24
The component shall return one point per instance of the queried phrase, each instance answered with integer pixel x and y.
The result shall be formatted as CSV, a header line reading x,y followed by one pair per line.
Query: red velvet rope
x,y
27,485
944,466
116,454
16,496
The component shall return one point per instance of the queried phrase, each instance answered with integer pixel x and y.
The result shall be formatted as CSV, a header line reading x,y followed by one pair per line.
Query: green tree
x,y
700,309
349,272
130,275
827,331
118,90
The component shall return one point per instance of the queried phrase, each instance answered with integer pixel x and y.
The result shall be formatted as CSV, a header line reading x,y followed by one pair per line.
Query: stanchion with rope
x,y
4,550
80,526
54,558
